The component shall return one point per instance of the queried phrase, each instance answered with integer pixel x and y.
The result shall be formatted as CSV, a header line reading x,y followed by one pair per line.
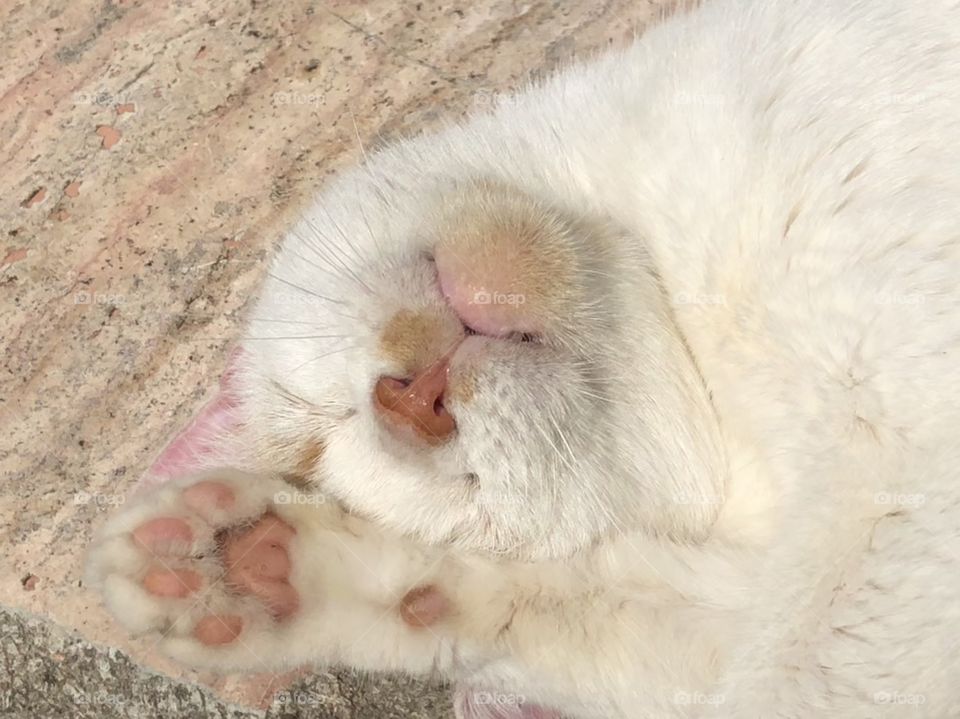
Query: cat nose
x,y
416,405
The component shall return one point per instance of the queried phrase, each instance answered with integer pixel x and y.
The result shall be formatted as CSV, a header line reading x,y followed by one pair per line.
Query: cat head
x,y
478,364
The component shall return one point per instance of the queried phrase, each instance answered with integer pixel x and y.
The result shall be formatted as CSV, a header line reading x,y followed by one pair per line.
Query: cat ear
x,y
199,445
470,703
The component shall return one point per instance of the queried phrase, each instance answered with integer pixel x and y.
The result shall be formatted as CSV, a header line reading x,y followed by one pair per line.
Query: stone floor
x,y
152,153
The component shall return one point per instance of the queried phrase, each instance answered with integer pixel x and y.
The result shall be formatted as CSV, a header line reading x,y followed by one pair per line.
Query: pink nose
x,y
485,292
416,405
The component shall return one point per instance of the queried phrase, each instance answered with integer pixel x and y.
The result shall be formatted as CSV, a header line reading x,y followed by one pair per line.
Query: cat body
x,y
691,312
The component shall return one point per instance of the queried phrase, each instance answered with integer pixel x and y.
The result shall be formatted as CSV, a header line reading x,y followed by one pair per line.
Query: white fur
x,y
752,511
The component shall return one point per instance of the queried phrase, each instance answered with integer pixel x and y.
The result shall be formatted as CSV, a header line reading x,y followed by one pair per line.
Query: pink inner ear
x,y
470,703
196,446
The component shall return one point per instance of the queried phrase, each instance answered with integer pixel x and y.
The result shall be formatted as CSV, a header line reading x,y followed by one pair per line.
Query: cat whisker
x,y
370,232
328,270
356,132
288,322
334,268
305,290
334,253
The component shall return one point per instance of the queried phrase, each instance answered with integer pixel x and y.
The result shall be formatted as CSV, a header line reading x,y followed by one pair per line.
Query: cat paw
x,y
234,571
210,566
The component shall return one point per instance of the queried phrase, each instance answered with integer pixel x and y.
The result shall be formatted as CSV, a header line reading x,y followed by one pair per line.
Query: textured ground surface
x,y
152,153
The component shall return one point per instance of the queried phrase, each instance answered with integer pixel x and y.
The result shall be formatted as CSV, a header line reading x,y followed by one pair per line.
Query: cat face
x,y
480,366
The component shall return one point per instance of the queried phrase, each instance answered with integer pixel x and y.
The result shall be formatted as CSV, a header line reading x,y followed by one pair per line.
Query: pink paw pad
x,y
258,563
164,535
424,606
209,497
172,582
215,629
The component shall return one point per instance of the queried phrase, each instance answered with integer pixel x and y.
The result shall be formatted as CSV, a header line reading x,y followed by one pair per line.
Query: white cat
x,y
638,397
